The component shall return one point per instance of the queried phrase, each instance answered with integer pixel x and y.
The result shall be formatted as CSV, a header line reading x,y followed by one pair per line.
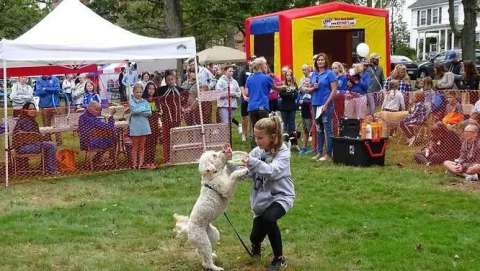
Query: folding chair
x,y
98,134
20,139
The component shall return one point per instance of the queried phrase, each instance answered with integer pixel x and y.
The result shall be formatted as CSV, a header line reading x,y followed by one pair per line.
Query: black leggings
x,y
266,224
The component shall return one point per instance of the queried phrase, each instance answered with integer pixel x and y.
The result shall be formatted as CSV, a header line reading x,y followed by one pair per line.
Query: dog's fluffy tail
x,y
181,225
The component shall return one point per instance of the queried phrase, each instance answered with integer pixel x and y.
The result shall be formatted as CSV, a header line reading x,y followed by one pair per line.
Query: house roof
x,y
424,3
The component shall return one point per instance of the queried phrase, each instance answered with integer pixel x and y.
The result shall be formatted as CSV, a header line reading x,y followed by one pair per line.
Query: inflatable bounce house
x,y
292,37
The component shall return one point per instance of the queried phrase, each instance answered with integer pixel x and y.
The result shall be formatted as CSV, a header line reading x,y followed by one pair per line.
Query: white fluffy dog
x,y
218,185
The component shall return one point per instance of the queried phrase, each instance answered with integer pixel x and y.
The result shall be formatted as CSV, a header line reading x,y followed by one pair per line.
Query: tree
x,y
18,16
173,18
467,33
144,17
215,22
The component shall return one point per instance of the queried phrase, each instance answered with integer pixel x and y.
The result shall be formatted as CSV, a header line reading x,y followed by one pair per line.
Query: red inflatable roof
x,y
47,70
324,8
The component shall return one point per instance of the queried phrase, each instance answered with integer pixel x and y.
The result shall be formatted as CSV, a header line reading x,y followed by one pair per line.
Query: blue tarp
x,y
264,25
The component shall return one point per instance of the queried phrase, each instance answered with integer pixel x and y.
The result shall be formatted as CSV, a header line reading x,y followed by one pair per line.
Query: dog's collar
x,y
212,188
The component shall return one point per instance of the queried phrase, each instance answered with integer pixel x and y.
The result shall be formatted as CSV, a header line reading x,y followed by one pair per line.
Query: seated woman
x,y
394,100
417,116
27,123
428,92
453,110
443,145
468,164
90,121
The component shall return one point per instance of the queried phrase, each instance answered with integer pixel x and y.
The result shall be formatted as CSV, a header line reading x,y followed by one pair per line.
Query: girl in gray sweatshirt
x,y
273,191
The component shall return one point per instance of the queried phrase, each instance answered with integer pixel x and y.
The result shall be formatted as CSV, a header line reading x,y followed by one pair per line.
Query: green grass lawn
x,y
344,218
398,217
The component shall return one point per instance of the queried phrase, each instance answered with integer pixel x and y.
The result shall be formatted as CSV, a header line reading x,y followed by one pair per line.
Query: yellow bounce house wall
x,y
276,55
252,44
302,35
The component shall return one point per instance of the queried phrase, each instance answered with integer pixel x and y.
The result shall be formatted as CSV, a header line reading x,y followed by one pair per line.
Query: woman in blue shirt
x,y
257,89
323,88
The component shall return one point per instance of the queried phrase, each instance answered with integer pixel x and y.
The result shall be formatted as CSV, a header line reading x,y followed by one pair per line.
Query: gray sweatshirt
x,y
377,79
272,180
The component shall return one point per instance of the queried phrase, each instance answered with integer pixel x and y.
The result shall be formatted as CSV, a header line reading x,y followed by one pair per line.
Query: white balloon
x,y
362,49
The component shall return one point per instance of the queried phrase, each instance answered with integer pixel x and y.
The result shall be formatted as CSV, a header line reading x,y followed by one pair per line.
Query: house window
x,y
423,17
435,16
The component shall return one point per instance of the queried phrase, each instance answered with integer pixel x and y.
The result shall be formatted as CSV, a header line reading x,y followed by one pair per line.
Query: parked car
x,y
412,67
426,68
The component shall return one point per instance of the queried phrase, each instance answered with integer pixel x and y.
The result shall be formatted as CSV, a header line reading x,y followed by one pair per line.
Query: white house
x,y
430,27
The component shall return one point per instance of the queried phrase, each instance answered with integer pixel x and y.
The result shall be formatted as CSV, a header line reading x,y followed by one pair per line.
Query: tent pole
x,y
200,107
5,120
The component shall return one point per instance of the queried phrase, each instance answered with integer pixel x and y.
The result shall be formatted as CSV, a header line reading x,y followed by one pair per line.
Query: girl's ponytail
x,y
277,136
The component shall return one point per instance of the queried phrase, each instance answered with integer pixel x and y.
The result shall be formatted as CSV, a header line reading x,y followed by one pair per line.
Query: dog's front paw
x,y
239,173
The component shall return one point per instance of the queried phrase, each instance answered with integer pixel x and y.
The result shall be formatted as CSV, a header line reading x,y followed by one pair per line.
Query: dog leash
x,y
230,222
238,235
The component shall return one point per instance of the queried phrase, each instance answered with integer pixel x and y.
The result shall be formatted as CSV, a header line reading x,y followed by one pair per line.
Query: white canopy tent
x,y
221,54
75,35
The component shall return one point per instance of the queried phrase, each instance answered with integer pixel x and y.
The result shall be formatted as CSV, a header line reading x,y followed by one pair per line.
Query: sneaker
x,y
323,158
244,138
277,264
317,156
256,251
308,151
302,151
240,130
471,178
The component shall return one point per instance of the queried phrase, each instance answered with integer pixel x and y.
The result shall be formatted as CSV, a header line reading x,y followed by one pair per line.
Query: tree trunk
x,y
174,25
468,32
451,19
173,18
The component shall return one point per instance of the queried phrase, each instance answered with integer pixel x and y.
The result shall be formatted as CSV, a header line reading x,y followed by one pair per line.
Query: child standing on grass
x,y
150,94
305,103
138,125
273,190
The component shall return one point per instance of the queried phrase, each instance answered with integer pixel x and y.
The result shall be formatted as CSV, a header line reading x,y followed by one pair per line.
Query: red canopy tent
x,y
48,70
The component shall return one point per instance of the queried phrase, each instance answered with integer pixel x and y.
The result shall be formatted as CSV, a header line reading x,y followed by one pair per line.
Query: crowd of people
x,y
329,92
155,103
325,94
